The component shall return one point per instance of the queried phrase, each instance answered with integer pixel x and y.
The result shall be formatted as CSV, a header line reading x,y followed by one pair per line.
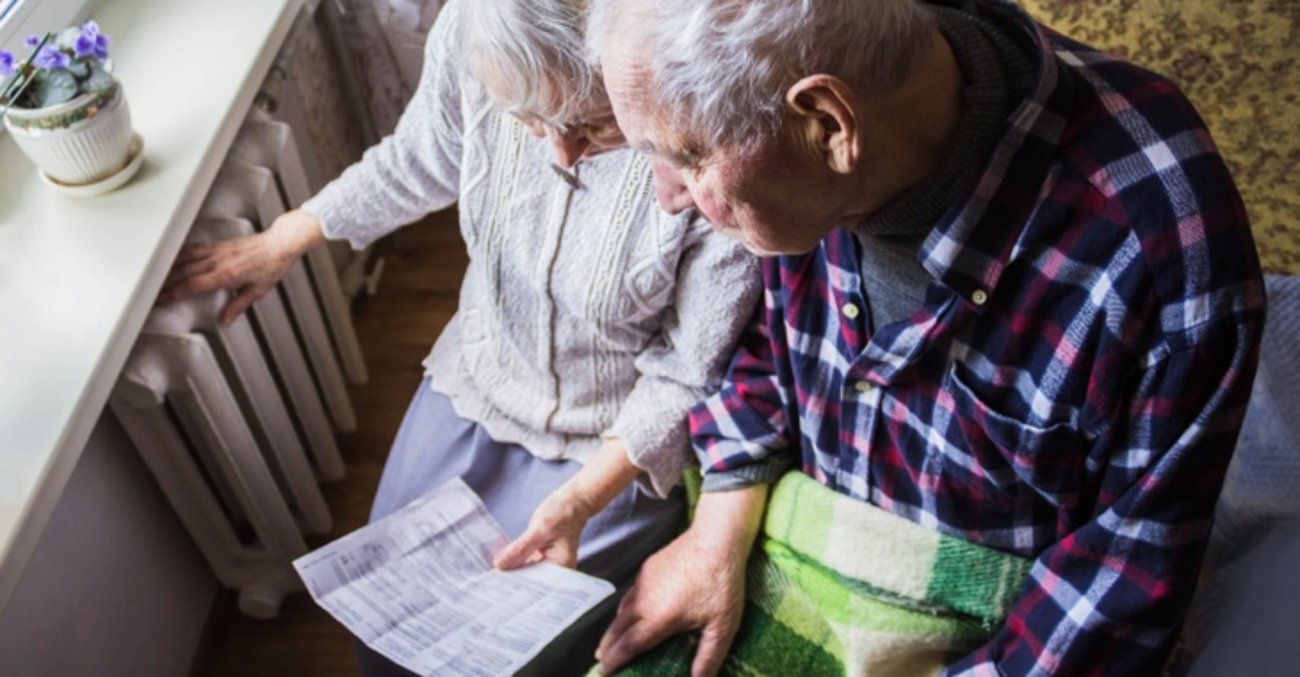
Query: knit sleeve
x,y
414,170
717,287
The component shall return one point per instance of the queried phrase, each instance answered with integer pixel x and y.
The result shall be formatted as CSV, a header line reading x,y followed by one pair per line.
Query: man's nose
x,y
569,148
670,188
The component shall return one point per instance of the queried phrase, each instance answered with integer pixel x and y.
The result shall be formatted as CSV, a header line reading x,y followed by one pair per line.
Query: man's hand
x,y
697,582
248,266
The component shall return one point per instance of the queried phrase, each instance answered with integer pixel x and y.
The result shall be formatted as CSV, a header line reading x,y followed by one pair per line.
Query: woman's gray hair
x,y
719,69
530,55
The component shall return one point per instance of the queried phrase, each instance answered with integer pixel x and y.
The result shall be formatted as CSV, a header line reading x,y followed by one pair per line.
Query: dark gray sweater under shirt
x,y
996,73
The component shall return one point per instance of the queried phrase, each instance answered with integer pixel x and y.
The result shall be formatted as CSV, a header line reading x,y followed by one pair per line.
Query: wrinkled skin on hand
x,y
688,586
552,534
247,266
556,526
696,583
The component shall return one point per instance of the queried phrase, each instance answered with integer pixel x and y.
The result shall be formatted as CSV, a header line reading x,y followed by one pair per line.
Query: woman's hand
x,y
247,266
556,527
552,534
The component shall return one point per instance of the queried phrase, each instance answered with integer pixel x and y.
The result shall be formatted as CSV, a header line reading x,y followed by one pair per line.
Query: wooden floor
x,y
424,264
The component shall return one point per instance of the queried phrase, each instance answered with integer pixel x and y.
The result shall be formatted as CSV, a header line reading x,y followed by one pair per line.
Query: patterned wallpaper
x,y
1239,62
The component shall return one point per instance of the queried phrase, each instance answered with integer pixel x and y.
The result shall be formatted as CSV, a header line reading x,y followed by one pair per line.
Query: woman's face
x,y
589,131
586,135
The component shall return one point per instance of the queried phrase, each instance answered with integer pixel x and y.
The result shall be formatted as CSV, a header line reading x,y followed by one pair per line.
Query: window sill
x,y
79,275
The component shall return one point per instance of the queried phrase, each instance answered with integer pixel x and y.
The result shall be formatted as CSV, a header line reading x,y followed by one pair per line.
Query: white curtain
x,y
406,23
385,40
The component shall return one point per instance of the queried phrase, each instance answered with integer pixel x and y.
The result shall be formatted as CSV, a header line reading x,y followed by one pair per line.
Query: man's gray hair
x,y
531,53
719,69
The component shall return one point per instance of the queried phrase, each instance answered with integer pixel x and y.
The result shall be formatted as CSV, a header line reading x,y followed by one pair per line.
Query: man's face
x,y
766,198
775,199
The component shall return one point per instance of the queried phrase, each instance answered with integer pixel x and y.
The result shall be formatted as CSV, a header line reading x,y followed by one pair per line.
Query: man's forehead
x,y
626,75
626,72
630,102
628,84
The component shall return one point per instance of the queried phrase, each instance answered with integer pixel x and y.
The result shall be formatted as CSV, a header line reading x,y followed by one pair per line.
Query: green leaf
x,y
99,79
53,87
79,68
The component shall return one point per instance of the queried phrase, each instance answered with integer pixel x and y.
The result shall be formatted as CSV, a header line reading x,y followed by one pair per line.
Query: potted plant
x,y
66,111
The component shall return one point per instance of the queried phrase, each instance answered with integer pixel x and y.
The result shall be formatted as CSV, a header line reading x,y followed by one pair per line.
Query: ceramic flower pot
x,y
80,141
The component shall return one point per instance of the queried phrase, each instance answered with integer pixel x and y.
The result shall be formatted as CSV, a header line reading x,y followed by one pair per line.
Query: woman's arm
x,y
717,287
411,172
414,170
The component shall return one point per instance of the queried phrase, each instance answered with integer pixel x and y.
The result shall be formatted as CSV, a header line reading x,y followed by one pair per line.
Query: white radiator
x,y
266,142
237,423
199,403
244,191
282,351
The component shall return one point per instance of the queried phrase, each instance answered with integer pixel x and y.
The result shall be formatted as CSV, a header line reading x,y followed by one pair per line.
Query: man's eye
x,y
693,164
691,157
677,162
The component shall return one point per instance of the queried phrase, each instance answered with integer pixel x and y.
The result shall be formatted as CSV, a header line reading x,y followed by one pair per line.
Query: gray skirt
x,y
434,445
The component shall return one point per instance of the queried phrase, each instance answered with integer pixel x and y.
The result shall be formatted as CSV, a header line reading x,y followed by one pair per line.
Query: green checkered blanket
x,y
839,586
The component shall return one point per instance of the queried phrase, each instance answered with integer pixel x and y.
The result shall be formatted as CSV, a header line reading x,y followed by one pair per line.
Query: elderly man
x,y
1013,300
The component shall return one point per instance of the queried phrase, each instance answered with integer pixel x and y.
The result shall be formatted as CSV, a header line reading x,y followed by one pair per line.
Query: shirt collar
x,y
974,241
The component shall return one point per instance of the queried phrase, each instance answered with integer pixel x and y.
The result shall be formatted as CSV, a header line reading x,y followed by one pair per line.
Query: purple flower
x,y
6,64
32,40
101,46
51,58
84,46
91,42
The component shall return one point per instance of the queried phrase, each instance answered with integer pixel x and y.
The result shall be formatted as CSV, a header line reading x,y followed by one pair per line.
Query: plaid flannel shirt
x,y
1072,388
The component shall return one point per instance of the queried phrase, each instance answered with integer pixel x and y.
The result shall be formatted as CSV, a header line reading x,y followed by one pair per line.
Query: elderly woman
x,y
589,320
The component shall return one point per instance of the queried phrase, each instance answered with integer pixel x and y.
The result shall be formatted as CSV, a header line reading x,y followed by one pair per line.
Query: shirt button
x,y
850,311
979,297
862,386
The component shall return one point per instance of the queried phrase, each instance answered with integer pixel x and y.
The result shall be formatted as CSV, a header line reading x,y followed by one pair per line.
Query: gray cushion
x,y
1261,493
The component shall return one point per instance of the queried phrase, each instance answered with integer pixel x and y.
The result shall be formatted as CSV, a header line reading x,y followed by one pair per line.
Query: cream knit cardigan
x,y
586,311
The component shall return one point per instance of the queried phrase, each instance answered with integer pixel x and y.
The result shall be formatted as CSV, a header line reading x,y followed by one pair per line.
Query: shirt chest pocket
x,y
1012,454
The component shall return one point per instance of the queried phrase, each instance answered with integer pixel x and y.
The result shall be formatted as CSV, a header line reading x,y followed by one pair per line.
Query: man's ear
x,y
825,110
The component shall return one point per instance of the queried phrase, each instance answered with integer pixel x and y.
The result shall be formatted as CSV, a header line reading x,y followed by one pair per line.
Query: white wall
x,y
115,586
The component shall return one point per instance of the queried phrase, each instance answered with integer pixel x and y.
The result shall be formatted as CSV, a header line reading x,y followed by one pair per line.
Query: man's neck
x,y
909,131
